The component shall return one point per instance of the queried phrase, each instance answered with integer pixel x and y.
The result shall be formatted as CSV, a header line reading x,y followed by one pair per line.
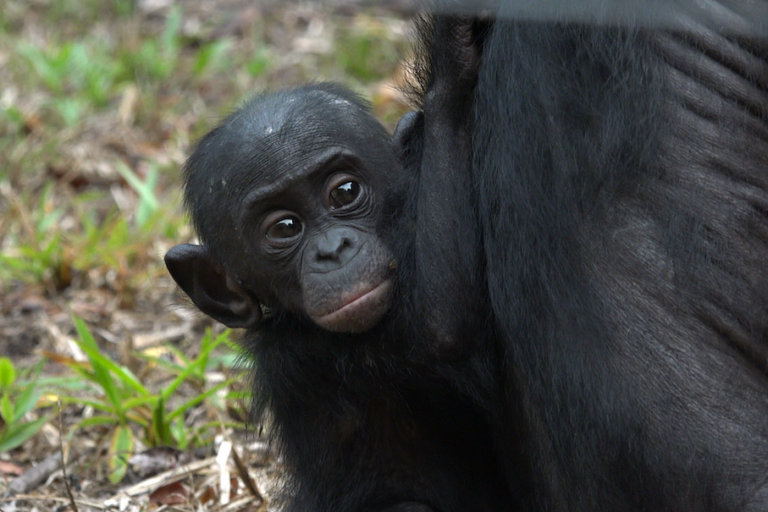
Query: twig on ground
x,y
64,461
35,475
246,477
168,477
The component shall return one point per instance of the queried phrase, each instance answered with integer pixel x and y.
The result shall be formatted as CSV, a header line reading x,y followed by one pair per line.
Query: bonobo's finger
x,y
457,59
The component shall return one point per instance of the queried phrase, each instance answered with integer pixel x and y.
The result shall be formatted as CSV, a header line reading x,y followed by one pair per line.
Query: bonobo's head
x,y
287,196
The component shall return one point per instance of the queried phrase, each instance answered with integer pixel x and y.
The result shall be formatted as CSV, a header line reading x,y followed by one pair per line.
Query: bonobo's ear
x,y
405,130
212,291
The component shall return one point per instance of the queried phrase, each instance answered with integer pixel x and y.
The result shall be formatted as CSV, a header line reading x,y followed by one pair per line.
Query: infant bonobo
x,y
374,363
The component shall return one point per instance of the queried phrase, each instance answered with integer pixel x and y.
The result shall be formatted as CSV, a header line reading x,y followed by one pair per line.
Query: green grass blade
x,y
19,433
92,351
7,373
199,398
31,394
143,189
6,410
120,450
160,423
103,378
27,400
132,403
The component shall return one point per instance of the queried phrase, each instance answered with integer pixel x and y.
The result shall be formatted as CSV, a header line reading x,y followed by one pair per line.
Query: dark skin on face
x,y
319,231
308,226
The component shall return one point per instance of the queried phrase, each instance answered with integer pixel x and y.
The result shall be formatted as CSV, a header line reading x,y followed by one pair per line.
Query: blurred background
x,y
100,361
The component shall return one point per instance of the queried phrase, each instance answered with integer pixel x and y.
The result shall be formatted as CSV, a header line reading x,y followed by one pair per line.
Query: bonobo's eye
x,y
285,228
342,191
282,226
344,194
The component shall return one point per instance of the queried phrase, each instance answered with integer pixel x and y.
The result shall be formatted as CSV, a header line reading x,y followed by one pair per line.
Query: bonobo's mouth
x,y
361,309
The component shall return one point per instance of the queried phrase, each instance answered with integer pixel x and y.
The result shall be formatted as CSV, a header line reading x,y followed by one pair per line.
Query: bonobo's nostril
x,y
330,246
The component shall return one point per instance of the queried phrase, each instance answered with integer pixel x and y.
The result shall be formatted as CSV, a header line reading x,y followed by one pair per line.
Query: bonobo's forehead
x,y
280,133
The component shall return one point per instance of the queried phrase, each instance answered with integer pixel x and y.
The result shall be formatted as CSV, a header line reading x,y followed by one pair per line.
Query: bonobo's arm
x,y
448,238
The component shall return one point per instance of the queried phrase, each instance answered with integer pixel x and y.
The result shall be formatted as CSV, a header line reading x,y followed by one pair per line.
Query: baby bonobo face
x,y
287,195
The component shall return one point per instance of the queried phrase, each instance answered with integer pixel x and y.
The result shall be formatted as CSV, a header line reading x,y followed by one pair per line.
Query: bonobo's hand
x,y
454,64
409,506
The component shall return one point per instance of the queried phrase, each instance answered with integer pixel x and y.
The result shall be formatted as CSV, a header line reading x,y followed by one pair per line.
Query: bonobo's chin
x,y
359,310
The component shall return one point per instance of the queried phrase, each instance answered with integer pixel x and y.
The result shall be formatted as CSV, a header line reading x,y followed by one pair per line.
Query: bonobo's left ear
x,y
212,291
405,130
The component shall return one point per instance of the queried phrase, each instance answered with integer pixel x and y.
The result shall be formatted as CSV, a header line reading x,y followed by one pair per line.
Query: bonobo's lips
x,y
361,309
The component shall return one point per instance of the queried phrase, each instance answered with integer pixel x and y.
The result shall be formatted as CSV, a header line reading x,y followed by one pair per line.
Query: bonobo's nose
x,y
334,247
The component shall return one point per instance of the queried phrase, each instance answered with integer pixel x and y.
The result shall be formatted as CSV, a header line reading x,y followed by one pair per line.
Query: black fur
x,y
580,315
623,189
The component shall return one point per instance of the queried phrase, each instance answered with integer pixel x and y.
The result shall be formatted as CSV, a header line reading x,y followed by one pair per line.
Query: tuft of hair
x,y
437,38
420,66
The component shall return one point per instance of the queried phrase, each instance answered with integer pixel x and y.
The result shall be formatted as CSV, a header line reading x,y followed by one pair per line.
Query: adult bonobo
x,y
374,363
577,248
622,178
